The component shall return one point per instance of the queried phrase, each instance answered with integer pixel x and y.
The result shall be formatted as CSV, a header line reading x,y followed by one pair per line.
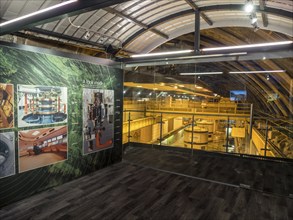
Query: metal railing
x,y
225,132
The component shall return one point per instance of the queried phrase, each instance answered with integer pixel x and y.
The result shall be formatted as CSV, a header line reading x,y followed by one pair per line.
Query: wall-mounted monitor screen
x,y
238,95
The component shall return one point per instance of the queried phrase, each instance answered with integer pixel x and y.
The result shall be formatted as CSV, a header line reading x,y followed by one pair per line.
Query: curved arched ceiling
x,y
142,25
139,26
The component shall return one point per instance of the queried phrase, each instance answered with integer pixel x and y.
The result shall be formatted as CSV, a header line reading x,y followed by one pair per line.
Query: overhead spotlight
x,y
268,77
198,77
124,92
248,6
87,35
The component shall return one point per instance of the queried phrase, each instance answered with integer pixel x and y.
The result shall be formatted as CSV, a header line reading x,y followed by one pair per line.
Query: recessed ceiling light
x,y
260,71
249,46
38,12
161,53
202,73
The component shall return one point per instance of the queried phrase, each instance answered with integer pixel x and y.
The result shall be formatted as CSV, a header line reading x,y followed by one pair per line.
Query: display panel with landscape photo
x,y
7,154
42,147
40,105
6,106
98,116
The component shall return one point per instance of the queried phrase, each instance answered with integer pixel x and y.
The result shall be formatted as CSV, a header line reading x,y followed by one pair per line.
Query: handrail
x,y
187,113
270,117
272,145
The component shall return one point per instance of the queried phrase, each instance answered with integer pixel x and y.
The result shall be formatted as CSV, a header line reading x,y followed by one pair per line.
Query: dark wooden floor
x,y
265,176
127,191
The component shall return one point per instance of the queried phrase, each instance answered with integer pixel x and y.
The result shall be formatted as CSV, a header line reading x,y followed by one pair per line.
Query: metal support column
x,y
192,130
196,32
161,129
251,122
266,142
249,141
227,134
129,136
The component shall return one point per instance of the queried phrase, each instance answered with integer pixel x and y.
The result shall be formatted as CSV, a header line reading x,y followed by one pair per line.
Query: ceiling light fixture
x,y
260,71
203,73
268,77
248,6
38,12
213,55
161,53
249,46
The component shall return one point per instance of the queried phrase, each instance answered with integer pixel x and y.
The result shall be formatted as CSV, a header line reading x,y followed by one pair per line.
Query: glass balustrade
x,y
224,132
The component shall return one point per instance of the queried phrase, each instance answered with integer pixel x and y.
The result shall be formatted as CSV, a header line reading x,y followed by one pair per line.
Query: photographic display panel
x,y
40,147
6,106
98,119
41,105
7,154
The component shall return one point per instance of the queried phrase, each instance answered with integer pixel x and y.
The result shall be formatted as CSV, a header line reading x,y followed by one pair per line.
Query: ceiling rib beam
x,y
133,20
264,15
258,55
75,8
232,7
202,14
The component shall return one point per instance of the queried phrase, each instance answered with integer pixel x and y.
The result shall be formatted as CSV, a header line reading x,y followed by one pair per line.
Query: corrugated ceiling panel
x,y
202,3
142,41
124,36
284,5
159,13
50,26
